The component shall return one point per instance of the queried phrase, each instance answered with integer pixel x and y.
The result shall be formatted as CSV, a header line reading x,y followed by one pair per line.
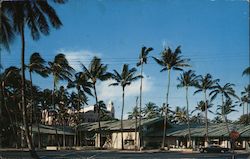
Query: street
x,y
95,154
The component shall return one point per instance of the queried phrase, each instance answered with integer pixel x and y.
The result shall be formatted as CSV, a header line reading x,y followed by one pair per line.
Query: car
x,y
214,148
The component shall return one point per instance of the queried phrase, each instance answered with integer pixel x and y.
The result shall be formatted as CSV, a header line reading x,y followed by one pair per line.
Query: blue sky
x,y
212,33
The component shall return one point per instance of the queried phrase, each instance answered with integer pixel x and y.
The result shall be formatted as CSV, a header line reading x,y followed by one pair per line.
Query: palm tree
x,y
124,79
10,74
143,58
225,109
187,79
134,114
83,87
180,115
243,100
204,84
97,71
246,71
151,110
7,32
246,94
60,70
170,61
225,91
35,15
37,65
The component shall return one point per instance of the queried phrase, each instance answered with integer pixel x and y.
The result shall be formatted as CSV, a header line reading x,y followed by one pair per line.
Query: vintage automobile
x,y
213,149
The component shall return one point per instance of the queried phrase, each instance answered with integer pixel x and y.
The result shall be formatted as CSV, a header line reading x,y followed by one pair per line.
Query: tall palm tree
x,y
134,113
7,32
83,87
204,84
143,58
35,15
181,114
202,107
125,78
10,74
225,109
246,71
246,94
170,60
37,65
97,71
227,92
60,70
151,110
187,79
243,101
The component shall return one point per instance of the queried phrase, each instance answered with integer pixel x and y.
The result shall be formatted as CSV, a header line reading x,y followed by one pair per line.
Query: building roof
x,y
114,125
45,129
214,130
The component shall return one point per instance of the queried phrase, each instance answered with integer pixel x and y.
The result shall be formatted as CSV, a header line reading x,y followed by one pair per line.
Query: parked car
x,y
214,148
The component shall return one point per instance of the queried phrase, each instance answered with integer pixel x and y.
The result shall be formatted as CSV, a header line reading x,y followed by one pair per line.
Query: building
x,y
87,114
176,135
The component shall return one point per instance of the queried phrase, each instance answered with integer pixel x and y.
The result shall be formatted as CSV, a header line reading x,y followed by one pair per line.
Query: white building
x,y
88,114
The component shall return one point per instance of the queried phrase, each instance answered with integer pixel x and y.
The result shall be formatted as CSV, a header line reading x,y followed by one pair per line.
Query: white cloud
x,y
75,57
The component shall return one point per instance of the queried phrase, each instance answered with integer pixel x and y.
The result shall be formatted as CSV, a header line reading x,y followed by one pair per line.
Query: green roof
x,y
46,129
114,125
214,130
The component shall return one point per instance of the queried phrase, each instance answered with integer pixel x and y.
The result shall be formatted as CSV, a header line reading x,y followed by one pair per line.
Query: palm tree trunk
x,y
54,106
78,115
224,115
99,122
136,143
140,129
8,112
243,108
32,107
123,92
165,117
189,131
248,113
26,128
206,120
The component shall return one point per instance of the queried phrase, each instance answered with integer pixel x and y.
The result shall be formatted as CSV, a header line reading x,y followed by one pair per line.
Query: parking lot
x,y
120,154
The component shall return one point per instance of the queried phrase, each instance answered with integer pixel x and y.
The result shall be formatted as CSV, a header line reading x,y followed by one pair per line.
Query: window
x,y
129,142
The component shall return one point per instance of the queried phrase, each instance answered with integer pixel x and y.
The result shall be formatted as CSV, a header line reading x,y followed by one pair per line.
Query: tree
x,y
246,71
204,84
37,65
246,94
97,71
186,80
243,101
225,109
7,32
10,75
60,70
170,61
180,114
125,78
35,15
151,110
134,114
143,58
83,87
225,91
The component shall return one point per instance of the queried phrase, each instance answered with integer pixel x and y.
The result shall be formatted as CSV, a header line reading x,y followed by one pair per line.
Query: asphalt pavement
x,y
107,154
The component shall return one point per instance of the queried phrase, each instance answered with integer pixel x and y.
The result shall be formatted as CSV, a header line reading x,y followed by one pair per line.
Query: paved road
x,y
118,155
